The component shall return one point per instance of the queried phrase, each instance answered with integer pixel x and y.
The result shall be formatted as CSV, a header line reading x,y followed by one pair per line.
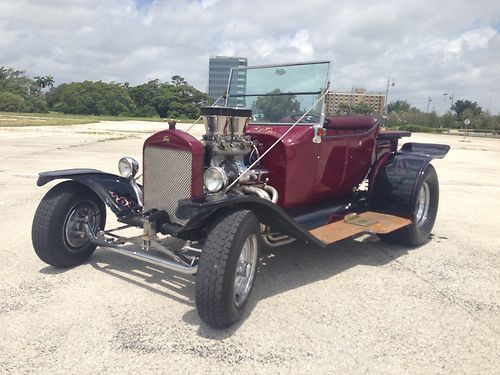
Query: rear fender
x,y
430,149
396,177
115,191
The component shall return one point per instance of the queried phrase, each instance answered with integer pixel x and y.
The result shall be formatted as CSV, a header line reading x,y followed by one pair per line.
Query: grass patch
x,y
19,121
419,129
14,119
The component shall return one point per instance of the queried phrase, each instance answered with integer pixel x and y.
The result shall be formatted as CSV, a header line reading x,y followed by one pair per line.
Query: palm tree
x,y
49,81
4,72
40,83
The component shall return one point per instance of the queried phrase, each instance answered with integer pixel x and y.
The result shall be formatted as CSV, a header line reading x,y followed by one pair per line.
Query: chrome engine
x,y
229,152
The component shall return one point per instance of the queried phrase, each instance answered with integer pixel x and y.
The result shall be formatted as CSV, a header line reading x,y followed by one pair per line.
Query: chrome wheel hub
x,y
74,225
423,203
245,270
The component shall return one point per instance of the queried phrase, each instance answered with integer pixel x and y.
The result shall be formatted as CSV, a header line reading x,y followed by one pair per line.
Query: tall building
x,y
219,68
335,100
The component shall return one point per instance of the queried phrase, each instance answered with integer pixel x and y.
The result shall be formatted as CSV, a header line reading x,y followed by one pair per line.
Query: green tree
x,y
447,121
362,109
344,109
21,90
475,121
433,119
49,81
179,101
3,73
40,84
15,81
92,98
399,106
43,82
486,121
275,107
177,80
163,101
10,102
461,105
36,104
143,96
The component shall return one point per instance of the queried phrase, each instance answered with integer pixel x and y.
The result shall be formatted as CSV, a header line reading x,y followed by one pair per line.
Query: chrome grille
x,y
167,178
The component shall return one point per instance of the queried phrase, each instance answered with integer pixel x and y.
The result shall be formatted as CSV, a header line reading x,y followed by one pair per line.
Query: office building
x,y
334,101
219,68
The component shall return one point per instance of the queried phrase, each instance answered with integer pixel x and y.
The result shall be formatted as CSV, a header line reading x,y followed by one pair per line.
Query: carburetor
x,y
227,148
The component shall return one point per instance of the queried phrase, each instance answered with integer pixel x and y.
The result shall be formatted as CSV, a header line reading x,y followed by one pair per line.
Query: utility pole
x,y
429,100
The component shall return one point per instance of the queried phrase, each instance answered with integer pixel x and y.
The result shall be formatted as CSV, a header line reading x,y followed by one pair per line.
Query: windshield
x,y
279,93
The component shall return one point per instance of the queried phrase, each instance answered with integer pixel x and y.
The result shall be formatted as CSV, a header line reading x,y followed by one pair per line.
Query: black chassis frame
x,y
392,187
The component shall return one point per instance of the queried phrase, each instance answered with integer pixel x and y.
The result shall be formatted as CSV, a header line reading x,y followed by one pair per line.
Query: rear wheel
x,y
58,232
227,268
425,208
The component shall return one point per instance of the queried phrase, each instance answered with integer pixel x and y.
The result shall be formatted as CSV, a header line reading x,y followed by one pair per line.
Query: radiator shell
x,y
173,170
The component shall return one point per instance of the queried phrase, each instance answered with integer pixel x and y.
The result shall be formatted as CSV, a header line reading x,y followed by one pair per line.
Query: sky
x,y
427,48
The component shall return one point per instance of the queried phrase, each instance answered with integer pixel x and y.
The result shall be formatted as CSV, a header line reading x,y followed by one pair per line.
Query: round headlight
x,y
128,167
215,178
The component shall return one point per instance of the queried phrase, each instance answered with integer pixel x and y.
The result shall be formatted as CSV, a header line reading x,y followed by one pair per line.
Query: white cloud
x,y
301,42
428,47
472,40
208,3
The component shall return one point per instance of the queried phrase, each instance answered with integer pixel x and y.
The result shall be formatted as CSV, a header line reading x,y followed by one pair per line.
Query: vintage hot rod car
x,y
269,170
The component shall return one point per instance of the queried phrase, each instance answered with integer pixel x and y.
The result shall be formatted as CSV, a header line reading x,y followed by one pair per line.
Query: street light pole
x,y
387,92
445,96
452,96
489,101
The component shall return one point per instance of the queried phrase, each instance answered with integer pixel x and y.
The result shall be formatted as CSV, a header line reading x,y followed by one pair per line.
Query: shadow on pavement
x,y
281,269
50,270
164,282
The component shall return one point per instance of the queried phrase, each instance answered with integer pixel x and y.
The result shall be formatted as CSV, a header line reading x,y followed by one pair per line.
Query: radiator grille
x,y
167,178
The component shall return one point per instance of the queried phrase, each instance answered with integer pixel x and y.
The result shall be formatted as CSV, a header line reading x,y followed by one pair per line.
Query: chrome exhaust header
x,y
156,260
137,252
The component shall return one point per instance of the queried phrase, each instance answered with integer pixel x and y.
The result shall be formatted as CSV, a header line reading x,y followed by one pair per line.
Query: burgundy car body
x,y
326,170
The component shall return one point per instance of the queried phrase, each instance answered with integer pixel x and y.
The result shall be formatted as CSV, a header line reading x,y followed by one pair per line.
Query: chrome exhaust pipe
x,y
272,240
256,191
267,192
135,251
158,261
272,192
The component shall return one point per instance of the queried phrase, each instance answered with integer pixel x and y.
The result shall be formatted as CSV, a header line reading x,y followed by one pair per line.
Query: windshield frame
x,y
325,85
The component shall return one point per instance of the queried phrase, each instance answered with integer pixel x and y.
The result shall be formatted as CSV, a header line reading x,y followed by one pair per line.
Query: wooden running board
x,y
373,222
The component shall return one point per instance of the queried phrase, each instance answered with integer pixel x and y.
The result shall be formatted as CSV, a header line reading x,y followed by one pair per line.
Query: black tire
x,y
55,240
418,232
216,299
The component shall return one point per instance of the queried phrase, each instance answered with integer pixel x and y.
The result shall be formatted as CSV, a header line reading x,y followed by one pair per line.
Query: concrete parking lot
x,y
356,307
